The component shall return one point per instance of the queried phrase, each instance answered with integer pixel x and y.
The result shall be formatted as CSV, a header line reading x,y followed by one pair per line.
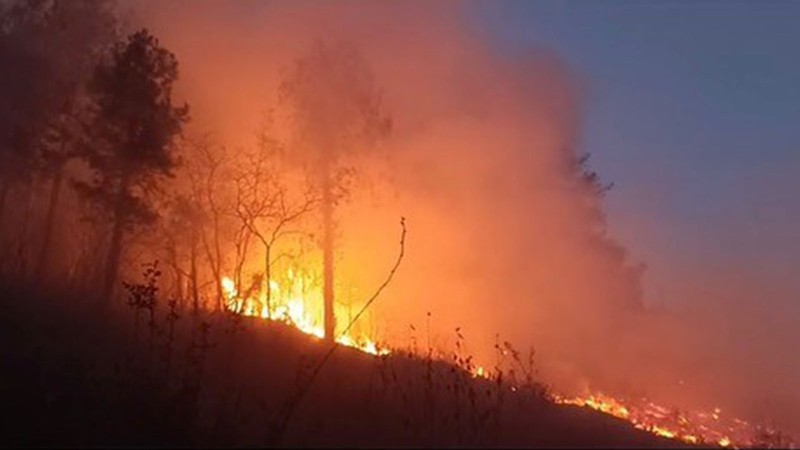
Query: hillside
x,y
73,375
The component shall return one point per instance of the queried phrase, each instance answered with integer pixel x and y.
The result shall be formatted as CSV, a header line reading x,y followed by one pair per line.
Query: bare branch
x,y
293,401
386,282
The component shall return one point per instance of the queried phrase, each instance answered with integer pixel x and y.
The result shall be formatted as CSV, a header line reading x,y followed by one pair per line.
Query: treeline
x,y
48,51
90,132
100,173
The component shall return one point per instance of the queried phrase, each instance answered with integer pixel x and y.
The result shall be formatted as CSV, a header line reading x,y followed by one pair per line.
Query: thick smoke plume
x,y
485,160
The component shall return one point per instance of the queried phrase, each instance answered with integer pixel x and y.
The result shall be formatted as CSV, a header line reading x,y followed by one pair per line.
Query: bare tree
x,y
181,231
337,111
264,205
206,171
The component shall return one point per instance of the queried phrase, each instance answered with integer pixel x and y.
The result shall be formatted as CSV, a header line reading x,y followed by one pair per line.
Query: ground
x,y
76,372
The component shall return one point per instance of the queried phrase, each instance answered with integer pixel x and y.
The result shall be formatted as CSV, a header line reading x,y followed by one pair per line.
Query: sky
x,y
693,111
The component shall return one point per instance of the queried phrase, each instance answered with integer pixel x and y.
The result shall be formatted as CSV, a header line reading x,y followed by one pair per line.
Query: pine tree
x,y
132,133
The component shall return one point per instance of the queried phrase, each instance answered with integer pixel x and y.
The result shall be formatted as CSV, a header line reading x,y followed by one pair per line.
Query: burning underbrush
x,y
159,374
298,307
693,427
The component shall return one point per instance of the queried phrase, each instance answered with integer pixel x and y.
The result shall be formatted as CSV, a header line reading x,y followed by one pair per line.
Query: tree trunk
x,y
172,252
193,275
23,254
114,256
113,260
327,256
267,278
55,194
242,248
179,286
215,271
215,260
4,188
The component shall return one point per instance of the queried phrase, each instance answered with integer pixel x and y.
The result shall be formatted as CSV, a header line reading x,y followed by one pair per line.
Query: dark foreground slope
x,y
75,375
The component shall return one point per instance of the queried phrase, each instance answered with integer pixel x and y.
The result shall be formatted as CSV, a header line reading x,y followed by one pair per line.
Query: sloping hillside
x,y
74,374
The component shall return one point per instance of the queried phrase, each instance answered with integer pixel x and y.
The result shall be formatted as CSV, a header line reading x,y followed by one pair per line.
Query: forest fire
x,y
186,214
698,427
294,304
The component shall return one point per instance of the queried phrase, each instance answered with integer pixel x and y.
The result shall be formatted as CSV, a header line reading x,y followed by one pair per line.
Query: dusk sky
x,y
693,111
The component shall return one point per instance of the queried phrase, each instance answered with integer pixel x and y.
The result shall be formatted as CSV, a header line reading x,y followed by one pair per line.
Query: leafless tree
x,y
206,170
264,205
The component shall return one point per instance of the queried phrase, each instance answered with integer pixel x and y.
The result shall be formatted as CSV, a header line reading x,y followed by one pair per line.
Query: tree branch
x,y
294,401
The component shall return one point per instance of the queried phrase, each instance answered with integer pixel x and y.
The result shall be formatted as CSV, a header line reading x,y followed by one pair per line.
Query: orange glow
x,y
294,304
480,159
690,427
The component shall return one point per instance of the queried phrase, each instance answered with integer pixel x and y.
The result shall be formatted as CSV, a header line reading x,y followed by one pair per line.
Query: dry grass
x,y
149,373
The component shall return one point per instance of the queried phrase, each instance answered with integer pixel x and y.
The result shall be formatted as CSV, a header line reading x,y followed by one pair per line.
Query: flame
x,y
692,428
292,303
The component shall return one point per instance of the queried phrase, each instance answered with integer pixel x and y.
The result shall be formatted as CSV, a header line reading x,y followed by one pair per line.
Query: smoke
x,y
506,237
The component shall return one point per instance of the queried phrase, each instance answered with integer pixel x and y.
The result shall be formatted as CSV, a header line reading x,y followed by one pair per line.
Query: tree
x,y
132,133
264,205
182,229
78,31
590,189
206,172
46,50
26,90
337,111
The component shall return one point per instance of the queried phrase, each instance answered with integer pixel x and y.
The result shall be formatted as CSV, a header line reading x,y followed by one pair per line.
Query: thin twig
x,y
295,400
385,283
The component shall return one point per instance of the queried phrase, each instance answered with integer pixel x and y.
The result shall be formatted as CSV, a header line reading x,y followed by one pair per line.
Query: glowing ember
x,y
692,428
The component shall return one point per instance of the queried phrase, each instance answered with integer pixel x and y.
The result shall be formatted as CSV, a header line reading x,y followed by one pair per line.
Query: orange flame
x,y
692,428
294,305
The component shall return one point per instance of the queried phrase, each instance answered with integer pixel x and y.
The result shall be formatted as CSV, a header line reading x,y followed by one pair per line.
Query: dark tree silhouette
x,y
206,171
47,48
25,86
591,189
132,133
181,229
338,111
78,32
